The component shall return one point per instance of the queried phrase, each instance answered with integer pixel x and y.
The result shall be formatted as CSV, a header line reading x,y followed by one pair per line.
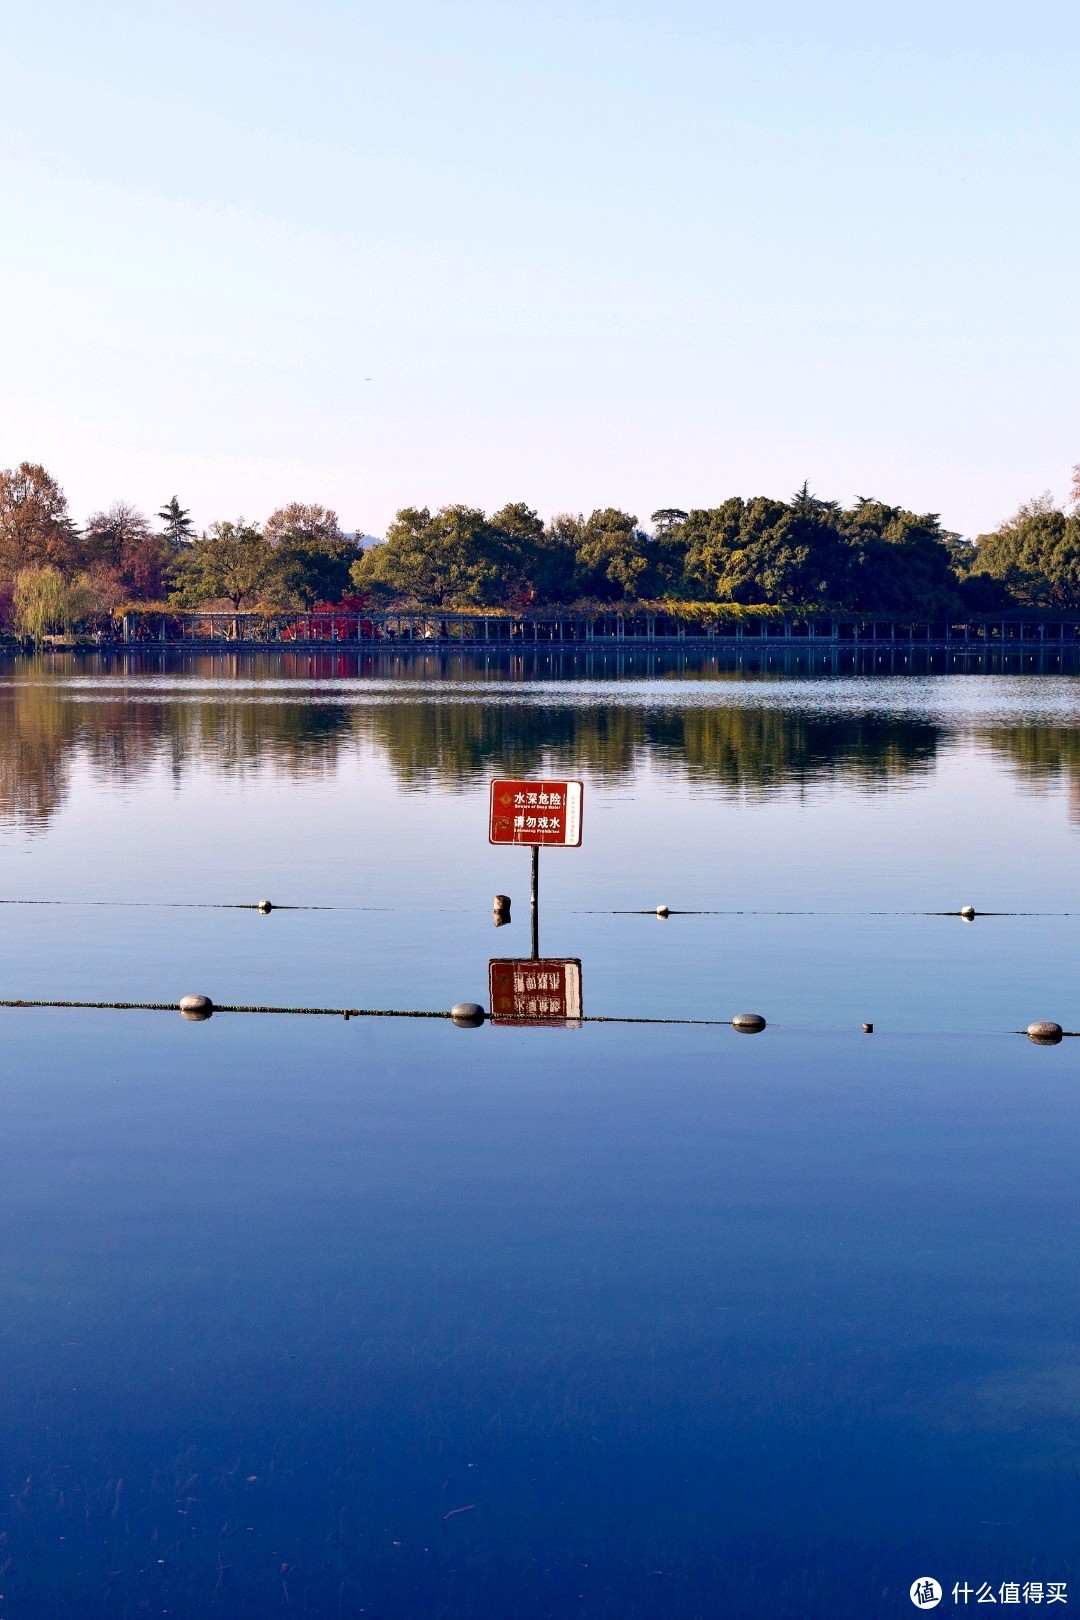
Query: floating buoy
x,y
265,905
868,1029
467,1014
196,1008
501,902
748,1023
968,913
662,911
1044,1033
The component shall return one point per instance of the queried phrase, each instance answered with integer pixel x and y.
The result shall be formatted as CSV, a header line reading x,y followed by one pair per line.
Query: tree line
x,y
799,554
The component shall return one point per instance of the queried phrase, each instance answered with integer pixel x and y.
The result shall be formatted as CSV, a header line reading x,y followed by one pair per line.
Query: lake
x,y
387,1317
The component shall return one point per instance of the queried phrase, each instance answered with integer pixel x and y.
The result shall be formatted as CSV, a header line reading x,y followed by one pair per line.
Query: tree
x,y
313,555
178,528
901,561
1035,556
611,555
39,602
108,535
35,528
446,560
45,602
124,557
310,524
231,561
665,520
534,563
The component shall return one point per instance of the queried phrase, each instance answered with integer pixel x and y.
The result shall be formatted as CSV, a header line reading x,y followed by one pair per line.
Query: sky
x,y
579,254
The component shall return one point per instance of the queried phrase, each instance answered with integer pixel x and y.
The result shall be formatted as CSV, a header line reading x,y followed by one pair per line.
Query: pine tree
x,y
179,529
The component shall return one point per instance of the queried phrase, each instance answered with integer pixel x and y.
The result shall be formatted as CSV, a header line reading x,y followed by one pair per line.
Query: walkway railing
x,y
433,628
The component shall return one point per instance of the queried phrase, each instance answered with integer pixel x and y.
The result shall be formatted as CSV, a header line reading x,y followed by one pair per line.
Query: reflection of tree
x,y
456,744
1042,756
124,733
761,751
33,754
45,728
754,750
1038,753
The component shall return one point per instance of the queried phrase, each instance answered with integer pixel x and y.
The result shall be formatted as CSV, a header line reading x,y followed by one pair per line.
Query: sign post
x,y
536,814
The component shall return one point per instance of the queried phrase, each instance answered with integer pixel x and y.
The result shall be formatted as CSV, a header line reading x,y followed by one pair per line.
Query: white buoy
x,y
196,1008
1044,1033
748,1023
662,911
968,913
467,1014
265,905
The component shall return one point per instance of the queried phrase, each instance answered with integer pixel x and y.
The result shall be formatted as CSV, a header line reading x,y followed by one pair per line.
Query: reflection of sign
x,y
541,992
539,813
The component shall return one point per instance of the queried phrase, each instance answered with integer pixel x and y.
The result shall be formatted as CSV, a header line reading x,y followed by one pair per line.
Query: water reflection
x,y
452,737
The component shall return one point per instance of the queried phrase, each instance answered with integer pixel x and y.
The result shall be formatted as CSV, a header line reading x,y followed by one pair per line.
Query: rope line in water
x,y
349,1012
586,911
749,911
186,905
399,1012
174,1006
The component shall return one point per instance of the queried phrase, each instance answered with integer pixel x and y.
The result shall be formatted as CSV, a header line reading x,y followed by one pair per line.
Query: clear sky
x,y
576,253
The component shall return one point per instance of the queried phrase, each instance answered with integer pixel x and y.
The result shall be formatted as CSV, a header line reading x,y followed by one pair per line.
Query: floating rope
x,y
399,1012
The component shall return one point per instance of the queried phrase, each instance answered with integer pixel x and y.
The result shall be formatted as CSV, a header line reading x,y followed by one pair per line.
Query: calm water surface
x,y
303,1316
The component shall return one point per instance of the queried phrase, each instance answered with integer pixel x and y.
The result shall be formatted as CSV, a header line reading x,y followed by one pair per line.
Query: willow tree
x,y
45,602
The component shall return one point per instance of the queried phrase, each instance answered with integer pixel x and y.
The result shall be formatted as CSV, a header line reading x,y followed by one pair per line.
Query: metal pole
x,y
534,901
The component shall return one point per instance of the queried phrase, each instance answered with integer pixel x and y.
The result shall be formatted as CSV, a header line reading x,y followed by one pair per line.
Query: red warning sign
x,y
541,813
545,991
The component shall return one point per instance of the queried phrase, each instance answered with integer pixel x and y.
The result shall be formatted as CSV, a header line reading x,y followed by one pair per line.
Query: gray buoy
x,y
748,1023
196,1008
1044,1033
868,1029
662,911
264,906
968,913
467,1014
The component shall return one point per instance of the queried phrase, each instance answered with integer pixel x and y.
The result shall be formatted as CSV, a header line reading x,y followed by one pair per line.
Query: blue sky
x,y
576,254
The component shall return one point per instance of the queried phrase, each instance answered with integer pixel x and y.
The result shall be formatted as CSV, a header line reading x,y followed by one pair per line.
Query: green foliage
x,y
313,556
1034,558
611,555
755,555
178,528
231,563
45,602
809,553
446,560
